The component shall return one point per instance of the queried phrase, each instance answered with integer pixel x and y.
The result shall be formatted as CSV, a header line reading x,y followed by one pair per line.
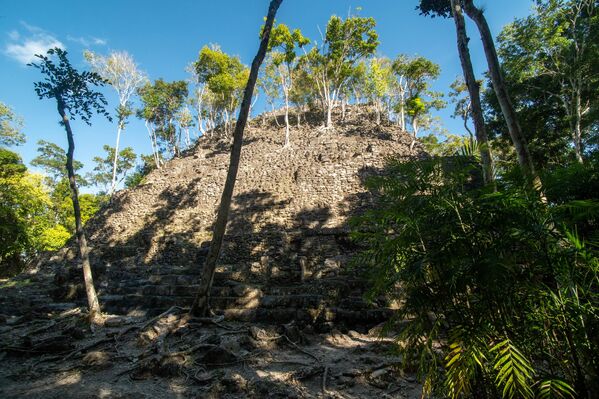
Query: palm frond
x,y
555,389
514,371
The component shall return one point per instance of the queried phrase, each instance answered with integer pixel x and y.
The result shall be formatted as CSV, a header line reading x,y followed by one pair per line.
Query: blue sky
x,y
163,37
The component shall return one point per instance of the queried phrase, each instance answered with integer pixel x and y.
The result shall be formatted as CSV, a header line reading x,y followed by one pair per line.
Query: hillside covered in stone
x,y
287,250
290,317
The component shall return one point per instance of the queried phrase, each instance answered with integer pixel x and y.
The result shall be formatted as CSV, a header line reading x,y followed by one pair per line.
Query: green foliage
x,y
378,83
25,214
301,93
70,87
53,160
435,8
415,106
549,389
141,171
161,103
331,66
450,145
549,61
514,371
225,76
347,41
415,76
460,97
283,47
500,277
54,237
10,127
269,82
287,42
102,175
13,229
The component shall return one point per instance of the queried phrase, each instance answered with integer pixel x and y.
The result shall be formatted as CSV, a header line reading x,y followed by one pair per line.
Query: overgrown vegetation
x,y
498,285
489,279
490,245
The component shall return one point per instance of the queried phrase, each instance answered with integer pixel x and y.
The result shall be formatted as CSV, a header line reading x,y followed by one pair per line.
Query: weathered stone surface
x,y
287,249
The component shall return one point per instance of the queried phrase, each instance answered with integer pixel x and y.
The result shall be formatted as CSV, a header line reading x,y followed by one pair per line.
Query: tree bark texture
x,y
474,92
92,297
507,108
201,303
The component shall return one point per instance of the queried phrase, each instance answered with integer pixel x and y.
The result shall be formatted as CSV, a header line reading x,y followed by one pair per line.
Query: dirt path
x,y
174,356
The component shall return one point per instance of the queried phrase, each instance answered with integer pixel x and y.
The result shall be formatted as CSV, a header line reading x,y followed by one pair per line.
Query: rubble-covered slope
x,y
286,251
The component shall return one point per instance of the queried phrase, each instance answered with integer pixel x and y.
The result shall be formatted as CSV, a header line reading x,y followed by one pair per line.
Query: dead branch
x,y
88,347
324,380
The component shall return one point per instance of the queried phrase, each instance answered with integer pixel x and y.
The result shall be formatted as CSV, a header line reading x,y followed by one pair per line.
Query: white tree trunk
x,y
414,132
274,114
286,119
115,161
200,119
153,144
402,112
577,128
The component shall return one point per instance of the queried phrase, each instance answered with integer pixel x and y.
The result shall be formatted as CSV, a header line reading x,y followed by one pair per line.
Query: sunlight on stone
x,y
73,378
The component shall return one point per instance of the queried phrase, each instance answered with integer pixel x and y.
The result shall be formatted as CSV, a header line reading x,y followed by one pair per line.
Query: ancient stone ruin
x,y
287,251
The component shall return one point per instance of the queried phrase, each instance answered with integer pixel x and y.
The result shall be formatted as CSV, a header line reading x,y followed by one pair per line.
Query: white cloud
x,y
99,42
23,49
87,41
25,52
31,28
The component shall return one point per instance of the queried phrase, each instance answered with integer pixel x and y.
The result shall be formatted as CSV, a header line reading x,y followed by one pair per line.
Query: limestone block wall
x,y
288,221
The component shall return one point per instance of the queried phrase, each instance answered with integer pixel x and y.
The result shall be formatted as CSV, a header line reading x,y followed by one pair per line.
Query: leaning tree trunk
x,y
507,108
92,297
201,303
474,91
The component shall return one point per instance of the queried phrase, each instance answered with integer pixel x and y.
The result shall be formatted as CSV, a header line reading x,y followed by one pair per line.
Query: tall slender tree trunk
x,y
153,144
474,91
200,94
272,107
507,108
201,303
286,119
92,298
252,105
402,110
116,157
577,133
414,132
329,120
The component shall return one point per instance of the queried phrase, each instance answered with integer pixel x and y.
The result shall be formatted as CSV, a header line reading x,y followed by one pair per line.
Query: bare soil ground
x,y
177,356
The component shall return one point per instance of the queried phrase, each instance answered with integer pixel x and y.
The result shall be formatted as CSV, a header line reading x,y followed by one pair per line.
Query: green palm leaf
x,y
514,371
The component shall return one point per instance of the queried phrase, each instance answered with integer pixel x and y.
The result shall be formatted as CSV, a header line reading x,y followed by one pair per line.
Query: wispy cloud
x,y
99,42
24,47
87,41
